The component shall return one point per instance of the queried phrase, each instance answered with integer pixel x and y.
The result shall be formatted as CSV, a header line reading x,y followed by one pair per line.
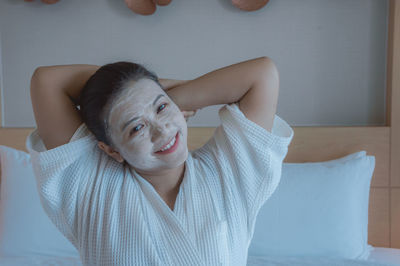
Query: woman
x,y
116,177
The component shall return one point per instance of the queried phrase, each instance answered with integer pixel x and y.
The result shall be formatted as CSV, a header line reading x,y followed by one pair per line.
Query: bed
x,y
318,215
324,148
380,256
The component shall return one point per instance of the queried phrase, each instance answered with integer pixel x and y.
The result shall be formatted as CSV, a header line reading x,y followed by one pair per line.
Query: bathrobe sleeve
x,y
246,157
60,174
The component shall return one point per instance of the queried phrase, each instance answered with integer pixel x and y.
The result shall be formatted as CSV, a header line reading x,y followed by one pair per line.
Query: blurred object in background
x,y
148,7
163,2
45,1
249,5
142,7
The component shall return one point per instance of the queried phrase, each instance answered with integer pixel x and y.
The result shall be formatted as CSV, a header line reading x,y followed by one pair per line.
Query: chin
x,y
186,154
182,158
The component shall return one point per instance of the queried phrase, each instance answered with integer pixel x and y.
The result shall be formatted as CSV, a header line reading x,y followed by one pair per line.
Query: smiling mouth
x,y
171,146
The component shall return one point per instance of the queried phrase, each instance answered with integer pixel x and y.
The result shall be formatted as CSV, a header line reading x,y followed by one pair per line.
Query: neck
x,y
165,182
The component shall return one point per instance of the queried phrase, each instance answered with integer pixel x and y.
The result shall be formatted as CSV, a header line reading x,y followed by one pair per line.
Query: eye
x,y
161,107
135,129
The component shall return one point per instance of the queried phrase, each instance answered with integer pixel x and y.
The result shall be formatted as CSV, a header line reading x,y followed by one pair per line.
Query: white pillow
x,y
318,209
25,229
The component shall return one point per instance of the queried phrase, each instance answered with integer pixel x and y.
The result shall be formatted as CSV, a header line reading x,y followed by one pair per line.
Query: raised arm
x,y
253,83
54,93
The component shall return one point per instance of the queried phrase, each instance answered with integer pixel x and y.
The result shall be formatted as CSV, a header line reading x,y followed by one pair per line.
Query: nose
x,y
158,130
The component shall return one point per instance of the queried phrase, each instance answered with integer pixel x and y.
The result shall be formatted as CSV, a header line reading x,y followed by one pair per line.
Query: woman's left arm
x,y
253,83
168,84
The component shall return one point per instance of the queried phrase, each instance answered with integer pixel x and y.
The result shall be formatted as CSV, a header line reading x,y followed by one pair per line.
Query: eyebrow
x,y
136,118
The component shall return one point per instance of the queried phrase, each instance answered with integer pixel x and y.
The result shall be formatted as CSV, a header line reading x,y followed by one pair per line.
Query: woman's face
x,y
143,120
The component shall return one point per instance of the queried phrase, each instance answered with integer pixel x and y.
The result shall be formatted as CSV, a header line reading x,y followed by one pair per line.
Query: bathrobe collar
x,y
176,228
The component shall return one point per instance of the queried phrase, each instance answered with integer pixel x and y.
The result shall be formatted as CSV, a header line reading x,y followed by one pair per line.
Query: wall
x,y
331,54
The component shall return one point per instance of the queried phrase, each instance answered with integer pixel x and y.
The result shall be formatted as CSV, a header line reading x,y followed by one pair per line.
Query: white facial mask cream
x,y
159,121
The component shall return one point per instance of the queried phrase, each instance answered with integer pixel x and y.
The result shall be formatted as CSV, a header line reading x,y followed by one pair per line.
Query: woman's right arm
x,y
54,94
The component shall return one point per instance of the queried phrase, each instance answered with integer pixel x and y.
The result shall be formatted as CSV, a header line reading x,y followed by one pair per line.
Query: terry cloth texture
x,y
113,216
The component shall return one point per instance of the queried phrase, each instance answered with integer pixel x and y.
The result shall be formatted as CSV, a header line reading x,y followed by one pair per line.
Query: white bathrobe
x,y
113,216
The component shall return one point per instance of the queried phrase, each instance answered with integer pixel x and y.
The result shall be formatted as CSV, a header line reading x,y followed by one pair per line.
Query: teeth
x,y
169,145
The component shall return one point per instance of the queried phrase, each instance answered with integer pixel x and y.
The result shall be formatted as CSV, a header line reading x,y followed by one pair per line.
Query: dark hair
x,y
102,88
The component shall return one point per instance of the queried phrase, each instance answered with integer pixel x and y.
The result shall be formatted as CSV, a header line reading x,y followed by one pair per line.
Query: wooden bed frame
x,y
312,144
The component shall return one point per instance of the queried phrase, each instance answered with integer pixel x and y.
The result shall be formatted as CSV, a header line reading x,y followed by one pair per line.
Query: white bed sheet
x,y
379,257
388,255
310,261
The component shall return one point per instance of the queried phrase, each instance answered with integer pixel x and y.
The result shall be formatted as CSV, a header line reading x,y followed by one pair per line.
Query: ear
x,y
110,151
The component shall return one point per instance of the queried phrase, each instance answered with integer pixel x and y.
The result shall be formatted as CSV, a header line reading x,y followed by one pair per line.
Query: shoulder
x,y
237,127
83,142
